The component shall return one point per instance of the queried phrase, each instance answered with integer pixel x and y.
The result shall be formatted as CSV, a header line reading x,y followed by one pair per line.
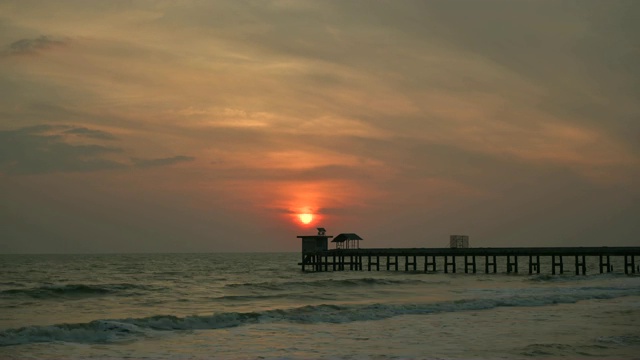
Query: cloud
x,y
42,149
90,133
30,46
147,163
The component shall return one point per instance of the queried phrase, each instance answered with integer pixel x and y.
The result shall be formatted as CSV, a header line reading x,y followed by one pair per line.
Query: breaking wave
x,y
71,290
107,331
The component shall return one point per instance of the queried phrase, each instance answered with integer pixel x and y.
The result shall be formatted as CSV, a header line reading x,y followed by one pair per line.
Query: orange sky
x,y
210,125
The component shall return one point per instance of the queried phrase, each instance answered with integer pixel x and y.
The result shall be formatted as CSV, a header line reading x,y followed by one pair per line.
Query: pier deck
x,y
446,258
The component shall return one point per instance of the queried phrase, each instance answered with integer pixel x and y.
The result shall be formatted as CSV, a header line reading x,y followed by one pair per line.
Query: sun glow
x,y
305,218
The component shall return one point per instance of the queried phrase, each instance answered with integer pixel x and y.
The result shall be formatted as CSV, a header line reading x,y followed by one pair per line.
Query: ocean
x,y
261,306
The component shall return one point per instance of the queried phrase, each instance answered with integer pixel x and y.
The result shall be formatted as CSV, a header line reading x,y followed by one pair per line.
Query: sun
x,y
305,218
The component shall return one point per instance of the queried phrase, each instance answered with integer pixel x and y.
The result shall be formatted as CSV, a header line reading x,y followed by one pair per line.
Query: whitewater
x,y
256,306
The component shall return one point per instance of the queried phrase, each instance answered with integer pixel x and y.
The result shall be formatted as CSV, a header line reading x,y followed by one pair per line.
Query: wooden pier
x,y
452,260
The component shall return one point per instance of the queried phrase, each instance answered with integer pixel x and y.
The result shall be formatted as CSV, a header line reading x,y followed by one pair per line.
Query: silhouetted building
x,y
459,241
312,243
347,241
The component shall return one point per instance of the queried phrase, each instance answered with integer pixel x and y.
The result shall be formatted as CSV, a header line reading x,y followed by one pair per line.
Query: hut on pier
x,y
313,243
347,241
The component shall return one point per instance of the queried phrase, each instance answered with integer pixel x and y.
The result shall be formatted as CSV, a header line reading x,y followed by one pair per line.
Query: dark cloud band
x,y
45,149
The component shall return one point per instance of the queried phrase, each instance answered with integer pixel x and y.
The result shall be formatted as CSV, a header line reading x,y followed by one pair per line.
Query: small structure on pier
x,y
313,243
459,241
347,241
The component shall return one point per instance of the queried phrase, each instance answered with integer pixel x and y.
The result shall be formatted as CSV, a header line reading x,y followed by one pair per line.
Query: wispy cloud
x,y
90,133
147,163
42,149
34,45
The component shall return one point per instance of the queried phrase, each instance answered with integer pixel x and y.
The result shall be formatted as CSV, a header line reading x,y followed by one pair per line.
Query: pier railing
x,y
447,259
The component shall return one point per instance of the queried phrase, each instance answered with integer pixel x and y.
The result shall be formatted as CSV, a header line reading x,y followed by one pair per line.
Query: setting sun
x,y
305,218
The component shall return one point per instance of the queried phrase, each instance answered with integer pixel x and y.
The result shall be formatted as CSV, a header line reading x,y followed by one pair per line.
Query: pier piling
x,y
581,265
407,263
488,263
534,264
394,263
467,264
557,264
452,263
431,263
512,266
604,264
629,264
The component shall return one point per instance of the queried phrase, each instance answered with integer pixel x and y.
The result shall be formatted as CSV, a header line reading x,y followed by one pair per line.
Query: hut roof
x,y
346,236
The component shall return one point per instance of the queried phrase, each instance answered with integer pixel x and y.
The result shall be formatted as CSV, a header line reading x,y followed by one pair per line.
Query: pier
x,y
533,260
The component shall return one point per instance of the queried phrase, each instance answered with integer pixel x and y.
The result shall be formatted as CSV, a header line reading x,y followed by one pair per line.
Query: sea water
x,y
250,306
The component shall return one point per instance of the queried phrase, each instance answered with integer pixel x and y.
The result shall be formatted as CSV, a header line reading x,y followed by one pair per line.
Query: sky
x,y
210,126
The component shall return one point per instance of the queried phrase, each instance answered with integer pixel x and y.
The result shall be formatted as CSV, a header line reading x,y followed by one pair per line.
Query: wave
x,y
65,290
107,331
287,296
326,283
620,340
554,350
572,278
